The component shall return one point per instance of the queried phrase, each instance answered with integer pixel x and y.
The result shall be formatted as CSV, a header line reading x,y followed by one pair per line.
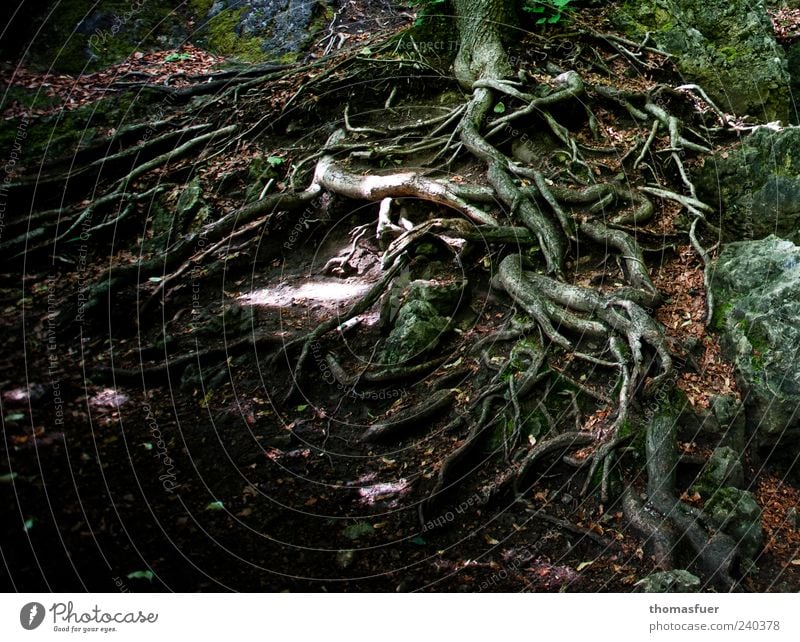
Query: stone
x,y
736,513
426,311
280,27
189,200
417,330
730,417
756,184
756,285
726,46
675,581
444,297
723,468
161,227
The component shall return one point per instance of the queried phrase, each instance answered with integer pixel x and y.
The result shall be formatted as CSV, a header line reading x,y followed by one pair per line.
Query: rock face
x,y
77,35
726,46
757,183
757,289
279,27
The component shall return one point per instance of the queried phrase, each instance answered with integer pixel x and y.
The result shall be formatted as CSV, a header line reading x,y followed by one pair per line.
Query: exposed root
x,y
559,444
359,307
437,403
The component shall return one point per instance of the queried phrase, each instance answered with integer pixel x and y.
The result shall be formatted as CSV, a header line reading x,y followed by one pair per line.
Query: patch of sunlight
x,y
108,398
326,291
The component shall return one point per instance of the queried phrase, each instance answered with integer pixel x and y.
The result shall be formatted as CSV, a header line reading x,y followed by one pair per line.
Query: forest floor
x,y
205,482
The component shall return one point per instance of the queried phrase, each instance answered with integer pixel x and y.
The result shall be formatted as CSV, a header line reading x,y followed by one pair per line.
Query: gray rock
x,y
736,513
729,414
726,46
676,581
285,26
444,297
190,199
161,226
757,183
723,468
757,290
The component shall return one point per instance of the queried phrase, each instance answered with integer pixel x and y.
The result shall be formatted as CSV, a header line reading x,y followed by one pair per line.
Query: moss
x,y
32,98
200,8
720,314
500,434
222,39
123,31
63,134
731,54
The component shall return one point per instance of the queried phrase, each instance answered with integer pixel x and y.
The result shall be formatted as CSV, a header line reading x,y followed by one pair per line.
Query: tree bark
x,y
481,53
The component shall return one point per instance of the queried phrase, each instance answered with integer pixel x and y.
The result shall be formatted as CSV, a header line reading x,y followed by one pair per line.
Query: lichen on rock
x,y
727,46
757,288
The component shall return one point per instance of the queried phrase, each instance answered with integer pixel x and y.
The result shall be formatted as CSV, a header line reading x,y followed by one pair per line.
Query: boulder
x,y
757,290
729,414
736,513
756,184
726,46
425,314
723,468
417,330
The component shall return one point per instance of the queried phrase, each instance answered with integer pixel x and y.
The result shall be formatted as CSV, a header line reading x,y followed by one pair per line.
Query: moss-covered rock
x,y
736,513
416,332
675,581
84,35
757,284
727,46
260,29
66,133
723,468
757,185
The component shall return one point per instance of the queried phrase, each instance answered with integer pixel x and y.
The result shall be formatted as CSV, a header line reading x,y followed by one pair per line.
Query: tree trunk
x,y
481,26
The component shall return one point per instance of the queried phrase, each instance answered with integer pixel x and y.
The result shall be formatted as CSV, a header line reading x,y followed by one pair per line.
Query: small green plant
x,y
177,56
426,8
549,11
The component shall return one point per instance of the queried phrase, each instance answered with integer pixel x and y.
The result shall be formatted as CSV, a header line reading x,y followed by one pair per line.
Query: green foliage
x,y
426,9
177,56
548,11
359,529
141,575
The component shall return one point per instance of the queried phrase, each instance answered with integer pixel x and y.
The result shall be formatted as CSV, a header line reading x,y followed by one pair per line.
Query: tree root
x,y
437,403
375,188
558,444
359,307
162,373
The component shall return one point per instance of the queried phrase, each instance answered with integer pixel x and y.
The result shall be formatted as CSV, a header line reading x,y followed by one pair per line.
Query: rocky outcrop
x,y
80,35
259,28
757,290
726,46
756,185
